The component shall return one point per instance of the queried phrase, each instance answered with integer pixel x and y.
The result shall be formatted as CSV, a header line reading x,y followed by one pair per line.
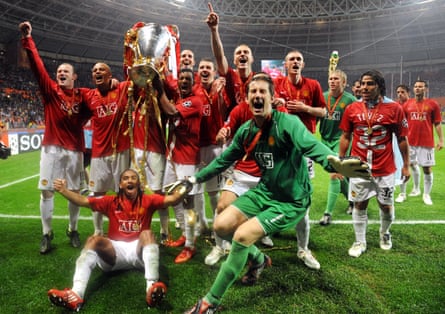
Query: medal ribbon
x,y
331,110
289,91
370,120
243,84
249,149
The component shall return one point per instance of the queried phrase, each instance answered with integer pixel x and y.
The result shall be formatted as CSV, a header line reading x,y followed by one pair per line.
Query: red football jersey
x,y
127,218
421,120
187,130
236,87
372,131
65,111
212,119
240,114
308,91
109,123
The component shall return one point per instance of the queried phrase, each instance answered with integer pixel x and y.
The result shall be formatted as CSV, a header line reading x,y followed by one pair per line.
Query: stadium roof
x,y
377,33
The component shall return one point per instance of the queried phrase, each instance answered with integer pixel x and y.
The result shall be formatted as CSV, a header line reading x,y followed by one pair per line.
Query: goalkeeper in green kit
x,y
278,142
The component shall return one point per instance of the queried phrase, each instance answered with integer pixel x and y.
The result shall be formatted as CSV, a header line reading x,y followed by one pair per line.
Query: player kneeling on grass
x,y
279,143
130,243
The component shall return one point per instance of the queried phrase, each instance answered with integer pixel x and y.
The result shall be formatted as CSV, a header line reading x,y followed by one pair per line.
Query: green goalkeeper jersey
x,y
329,124
279,153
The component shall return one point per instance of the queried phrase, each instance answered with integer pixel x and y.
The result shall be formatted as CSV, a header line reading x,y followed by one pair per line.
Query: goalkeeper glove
x,y
351,167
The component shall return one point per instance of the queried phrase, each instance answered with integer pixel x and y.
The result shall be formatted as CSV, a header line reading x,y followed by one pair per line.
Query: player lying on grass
x,y
130,243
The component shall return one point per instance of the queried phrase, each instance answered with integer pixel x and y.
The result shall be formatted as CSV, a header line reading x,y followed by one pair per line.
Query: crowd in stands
x,y
20,104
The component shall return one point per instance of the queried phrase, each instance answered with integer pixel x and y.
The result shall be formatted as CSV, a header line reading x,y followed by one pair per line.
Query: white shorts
x,y
361,190
105,171
57,162
423,156
154,167
240,182
207,154
175,172
126,257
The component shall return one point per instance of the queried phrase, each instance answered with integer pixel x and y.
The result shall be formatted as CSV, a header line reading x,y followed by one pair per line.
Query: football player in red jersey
x,y
212,90
63,141
110,153
183,158
370,125
238,78
423,115
130,244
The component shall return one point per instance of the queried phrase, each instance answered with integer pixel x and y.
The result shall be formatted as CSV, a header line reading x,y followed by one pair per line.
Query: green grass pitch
x,y
408,279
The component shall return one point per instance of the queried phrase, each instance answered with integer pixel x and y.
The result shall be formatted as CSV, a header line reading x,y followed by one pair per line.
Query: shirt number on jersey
x,y
265,160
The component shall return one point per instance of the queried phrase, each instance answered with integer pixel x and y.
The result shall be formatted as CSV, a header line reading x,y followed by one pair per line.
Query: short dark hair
x,y
378,78
403,86
421,81
187,70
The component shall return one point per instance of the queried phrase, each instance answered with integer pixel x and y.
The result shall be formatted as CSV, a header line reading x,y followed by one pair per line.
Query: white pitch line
x,y
336,222
18,181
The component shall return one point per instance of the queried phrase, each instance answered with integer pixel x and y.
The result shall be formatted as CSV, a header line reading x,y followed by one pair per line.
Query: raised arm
x,y
80,200
217,47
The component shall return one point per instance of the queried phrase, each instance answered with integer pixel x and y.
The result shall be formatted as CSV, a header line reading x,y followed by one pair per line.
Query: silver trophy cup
x,y
149,49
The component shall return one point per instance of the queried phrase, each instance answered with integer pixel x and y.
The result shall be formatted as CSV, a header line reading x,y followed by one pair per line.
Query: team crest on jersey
x,y
229,182
113,95
271,141
305,93
342,105
187,104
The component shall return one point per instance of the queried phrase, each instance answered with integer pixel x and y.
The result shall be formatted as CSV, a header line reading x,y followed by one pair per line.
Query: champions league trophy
x,y
147,47
333,61
150,50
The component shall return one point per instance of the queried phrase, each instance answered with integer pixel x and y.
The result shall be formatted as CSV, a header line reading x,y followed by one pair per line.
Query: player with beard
x,y
63,140
238,78
278,142
110,153
369,126
303,97
130,243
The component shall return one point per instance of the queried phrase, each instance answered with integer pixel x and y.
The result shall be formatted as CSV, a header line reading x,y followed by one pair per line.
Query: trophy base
x,y
143,74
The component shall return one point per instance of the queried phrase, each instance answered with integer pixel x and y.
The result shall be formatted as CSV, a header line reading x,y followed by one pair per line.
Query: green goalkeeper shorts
x,y
273,215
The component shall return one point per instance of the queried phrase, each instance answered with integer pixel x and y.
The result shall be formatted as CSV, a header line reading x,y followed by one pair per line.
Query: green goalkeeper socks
x,y
231,269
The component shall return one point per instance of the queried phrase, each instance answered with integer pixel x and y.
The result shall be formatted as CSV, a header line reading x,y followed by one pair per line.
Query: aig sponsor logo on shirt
x,y
129,225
